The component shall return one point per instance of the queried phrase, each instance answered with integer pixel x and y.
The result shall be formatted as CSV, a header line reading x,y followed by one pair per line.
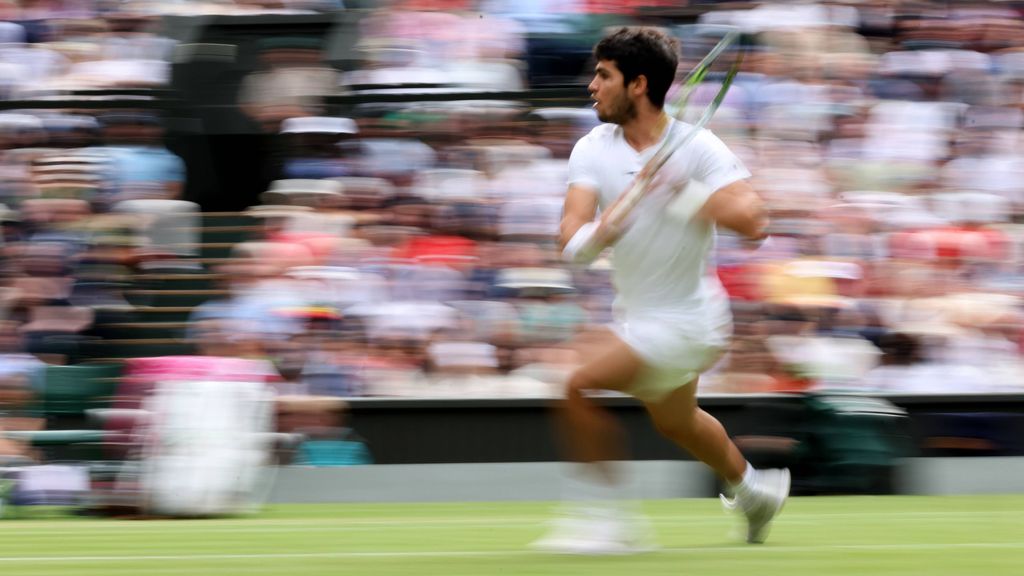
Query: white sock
x,y
585,489
747,485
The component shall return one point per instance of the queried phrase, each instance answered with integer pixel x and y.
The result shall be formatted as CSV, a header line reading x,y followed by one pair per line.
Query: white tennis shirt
x,y
661,262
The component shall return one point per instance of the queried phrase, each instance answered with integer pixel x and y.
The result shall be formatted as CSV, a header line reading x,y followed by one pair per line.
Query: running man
x,y
672,316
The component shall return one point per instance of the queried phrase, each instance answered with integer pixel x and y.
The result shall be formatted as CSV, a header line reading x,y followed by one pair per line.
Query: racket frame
x,y
618,213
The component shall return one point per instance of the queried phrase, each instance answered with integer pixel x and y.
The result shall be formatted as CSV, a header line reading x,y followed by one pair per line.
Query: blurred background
x,y
353,204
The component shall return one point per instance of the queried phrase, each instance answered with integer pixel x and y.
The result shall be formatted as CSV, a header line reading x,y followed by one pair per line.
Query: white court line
x,y
255,525
682,516
197,526
498,553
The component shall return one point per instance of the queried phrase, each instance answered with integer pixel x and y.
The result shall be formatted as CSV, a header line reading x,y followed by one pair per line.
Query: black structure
x,y
409,431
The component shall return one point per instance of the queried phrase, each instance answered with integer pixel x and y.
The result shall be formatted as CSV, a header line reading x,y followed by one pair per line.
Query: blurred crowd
x,y
407,248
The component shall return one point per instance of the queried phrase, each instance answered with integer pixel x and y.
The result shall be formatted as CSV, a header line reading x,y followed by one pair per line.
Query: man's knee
x,y
577,385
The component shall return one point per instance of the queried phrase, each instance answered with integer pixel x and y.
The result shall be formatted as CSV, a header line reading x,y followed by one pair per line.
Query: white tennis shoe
x,y
597,534
763,503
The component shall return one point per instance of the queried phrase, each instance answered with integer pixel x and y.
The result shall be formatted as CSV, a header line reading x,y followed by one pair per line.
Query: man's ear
x,y
638,86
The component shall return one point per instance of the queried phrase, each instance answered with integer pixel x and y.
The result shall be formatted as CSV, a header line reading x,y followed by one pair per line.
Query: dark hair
x,y
642,51
900,348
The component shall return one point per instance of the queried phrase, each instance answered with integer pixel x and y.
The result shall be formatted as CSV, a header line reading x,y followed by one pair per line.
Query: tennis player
x,y
672,315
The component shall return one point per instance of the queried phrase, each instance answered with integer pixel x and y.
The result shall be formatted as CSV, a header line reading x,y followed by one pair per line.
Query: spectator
x,y
140,166
21,383
290,83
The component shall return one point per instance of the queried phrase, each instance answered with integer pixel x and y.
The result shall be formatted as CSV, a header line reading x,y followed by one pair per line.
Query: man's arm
x,y
579,208
738,207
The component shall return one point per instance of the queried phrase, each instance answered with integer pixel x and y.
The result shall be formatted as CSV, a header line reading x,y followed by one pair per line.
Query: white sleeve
x,y
713,166
716,165
581,164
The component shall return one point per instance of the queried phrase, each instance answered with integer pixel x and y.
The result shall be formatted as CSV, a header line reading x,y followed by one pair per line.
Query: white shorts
x,y
673,354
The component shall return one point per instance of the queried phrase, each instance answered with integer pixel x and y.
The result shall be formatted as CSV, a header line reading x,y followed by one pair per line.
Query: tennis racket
x,y
616,216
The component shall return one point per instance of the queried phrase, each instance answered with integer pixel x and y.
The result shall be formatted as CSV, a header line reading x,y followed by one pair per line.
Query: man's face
x,y
612,101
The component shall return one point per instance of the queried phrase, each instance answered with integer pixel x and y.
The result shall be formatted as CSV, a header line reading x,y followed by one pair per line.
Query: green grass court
x,y
875,536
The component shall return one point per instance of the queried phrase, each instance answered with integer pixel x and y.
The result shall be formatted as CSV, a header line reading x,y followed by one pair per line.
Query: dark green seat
x,y
148,331
197,281
73,389
172,299
165,314
229,219
105,349
216,249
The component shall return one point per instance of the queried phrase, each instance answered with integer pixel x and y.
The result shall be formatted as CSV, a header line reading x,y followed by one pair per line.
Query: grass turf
x,y
875,536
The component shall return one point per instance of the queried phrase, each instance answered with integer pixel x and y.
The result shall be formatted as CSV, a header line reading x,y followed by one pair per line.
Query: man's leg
x,y
596,521
591,434
678,418
760,495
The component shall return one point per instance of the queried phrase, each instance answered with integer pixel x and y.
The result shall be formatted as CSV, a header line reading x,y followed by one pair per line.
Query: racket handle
x,y
618,213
